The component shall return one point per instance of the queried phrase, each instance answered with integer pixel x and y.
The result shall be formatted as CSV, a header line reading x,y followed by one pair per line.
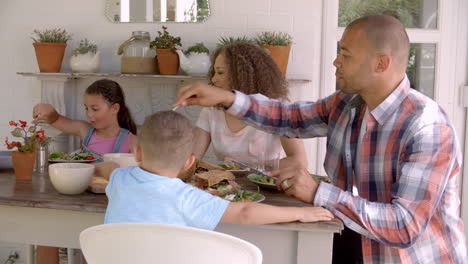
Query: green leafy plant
x,y
198,48
56,35
30,135
85,47
165,41
273,38
223,41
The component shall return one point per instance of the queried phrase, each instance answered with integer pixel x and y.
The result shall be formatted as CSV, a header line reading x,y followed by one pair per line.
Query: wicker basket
x,y
138,65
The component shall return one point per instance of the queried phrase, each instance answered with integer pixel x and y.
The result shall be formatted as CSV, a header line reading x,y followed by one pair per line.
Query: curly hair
x,y
112,92
252,70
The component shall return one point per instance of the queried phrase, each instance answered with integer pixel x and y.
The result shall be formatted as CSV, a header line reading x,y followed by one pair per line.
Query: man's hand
x,y
202,94
296,182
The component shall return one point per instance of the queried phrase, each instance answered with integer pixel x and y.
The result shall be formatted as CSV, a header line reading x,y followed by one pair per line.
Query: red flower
x,y
23,123
13,123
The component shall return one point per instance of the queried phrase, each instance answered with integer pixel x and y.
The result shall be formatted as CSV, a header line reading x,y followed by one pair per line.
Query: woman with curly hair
x,y
247,68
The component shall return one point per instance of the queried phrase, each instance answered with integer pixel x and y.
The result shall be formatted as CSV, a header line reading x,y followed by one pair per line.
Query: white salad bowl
x,y
123,159
71,178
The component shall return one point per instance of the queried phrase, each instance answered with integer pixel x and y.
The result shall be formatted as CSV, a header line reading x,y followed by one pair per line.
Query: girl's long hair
x,y
113,93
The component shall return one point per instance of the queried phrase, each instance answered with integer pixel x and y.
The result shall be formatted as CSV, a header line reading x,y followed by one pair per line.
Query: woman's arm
x,y
202,142
295,153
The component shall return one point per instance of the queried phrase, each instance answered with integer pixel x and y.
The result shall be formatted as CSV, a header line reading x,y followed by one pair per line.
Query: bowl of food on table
x,y
263,180
74,157
71,178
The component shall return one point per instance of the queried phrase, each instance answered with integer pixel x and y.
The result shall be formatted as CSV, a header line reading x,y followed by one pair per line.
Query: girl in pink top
x,y
110,127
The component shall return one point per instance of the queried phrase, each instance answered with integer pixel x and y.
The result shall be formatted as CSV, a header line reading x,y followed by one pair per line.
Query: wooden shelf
x,y
126,75
118,75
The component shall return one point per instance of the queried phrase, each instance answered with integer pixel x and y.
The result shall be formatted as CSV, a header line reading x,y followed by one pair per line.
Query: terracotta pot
x,y
49,56
23,164
168,61
280,54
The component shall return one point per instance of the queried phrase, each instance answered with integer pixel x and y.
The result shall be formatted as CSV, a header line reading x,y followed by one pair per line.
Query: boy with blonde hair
x,y
152,193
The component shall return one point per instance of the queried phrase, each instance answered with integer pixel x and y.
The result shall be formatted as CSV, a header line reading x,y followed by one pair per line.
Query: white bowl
x,y
123,159
71,178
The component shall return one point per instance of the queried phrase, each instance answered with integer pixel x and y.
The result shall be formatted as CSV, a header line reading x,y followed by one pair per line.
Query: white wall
x,y
85,18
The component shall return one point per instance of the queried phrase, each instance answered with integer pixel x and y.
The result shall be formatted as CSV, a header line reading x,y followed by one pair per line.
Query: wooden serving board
x,y
98,185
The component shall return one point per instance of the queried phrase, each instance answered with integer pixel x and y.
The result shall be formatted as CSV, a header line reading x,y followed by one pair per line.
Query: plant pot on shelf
x,y
23,164
49,56
168,61
88,62
280,54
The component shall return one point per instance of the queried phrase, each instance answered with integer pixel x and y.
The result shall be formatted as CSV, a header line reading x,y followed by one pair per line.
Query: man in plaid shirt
x,y
392,153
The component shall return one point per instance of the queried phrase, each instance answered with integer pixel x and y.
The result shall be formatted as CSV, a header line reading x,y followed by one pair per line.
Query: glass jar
x,y
138,57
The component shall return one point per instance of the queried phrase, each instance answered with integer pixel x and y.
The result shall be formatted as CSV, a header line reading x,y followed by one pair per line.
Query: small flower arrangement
x,y
30,135
85,47
274,39
56,35
198,48
165,41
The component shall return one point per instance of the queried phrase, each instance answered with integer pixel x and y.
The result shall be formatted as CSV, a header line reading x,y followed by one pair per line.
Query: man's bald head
x,y
386,35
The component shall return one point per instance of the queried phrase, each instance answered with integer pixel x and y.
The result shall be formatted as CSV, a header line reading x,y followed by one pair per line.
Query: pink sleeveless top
x,y
105,145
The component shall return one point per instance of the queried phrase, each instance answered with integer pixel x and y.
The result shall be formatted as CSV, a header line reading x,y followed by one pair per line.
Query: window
x,y
421,14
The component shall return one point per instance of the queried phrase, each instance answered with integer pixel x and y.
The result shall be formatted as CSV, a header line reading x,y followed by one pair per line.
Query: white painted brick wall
x,y
85,18
301,18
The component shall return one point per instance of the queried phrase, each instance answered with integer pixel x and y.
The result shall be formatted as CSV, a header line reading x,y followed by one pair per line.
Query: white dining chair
x,y
136,243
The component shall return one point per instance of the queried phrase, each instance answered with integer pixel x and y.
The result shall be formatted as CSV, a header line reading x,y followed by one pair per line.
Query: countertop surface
x,y
39,193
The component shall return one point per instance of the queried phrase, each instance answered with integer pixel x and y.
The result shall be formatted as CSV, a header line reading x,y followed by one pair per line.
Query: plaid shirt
x,y
408,204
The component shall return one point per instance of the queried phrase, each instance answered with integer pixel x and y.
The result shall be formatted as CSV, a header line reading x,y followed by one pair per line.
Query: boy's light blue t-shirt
x,y
138,196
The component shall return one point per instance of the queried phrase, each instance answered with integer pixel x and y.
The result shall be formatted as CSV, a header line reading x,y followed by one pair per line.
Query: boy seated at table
x,y
152,193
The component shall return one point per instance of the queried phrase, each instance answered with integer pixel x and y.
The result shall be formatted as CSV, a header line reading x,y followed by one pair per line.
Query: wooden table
x,y
35,213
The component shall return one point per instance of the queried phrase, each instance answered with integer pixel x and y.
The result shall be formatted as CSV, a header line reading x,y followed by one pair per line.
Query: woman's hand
x,y
202,94
45,112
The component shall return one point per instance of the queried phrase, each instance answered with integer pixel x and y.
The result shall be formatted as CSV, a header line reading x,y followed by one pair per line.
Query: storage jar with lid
x,y
137,55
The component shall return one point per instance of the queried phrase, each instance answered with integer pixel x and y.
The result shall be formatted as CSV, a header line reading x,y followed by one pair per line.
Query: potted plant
x,y
278,45
25,155
50,46
223,41
85,58
197,62
166,56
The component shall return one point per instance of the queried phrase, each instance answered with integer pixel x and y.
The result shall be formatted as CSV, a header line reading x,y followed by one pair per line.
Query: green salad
x,y
77,156
242,196
261,179
229,166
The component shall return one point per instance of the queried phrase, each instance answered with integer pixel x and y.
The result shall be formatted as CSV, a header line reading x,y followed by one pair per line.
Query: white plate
x,y
262,184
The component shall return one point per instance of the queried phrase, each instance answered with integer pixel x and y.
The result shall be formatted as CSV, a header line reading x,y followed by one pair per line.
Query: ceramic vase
x,y
49,56
23,164
168,61
280,54
88,62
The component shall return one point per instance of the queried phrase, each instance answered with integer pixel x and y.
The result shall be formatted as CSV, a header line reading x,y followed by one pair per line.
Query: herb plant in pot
x,y
85,58
165,44
196,62
25,155
278,45
50,47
